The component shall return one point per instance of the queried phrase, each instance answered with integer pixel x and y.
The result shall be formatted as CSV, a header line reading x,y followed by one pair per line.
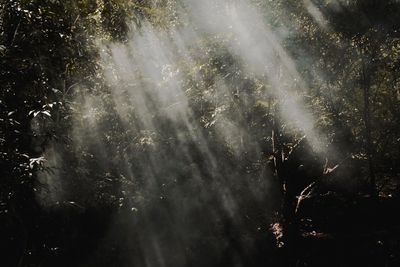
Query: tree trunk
x,y
366,87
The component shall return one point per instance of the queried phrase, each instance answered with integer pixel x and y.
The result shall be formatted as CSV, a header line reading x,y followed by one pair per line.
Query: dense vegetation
x,y
164,133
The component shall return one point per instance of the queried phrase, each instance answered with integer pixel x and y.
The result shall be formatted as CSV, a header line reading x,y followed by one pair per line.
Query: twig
x,y
15,33
303,195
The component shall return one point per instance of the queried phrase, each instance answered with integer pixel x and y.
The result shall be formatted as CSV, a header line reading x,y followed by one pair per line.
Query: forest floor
x,y
349,231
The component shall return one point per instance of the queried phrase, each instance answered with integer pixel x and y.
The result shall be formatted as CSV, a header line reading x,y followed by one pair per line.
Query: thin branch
x,y
15,33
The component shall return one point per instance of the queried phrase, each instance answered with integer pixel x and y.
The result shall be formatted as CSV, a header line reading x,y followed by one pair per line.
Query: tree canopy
x,y
199,133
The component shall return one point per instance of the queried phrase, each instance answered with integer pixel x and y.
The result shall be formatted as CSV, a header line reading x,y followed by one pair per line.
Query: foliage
x,y
60,122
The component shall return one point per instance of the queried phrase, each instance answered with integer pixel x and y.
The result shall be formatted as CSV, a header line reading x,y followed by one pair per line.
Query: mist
x,y
190,133
178,181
